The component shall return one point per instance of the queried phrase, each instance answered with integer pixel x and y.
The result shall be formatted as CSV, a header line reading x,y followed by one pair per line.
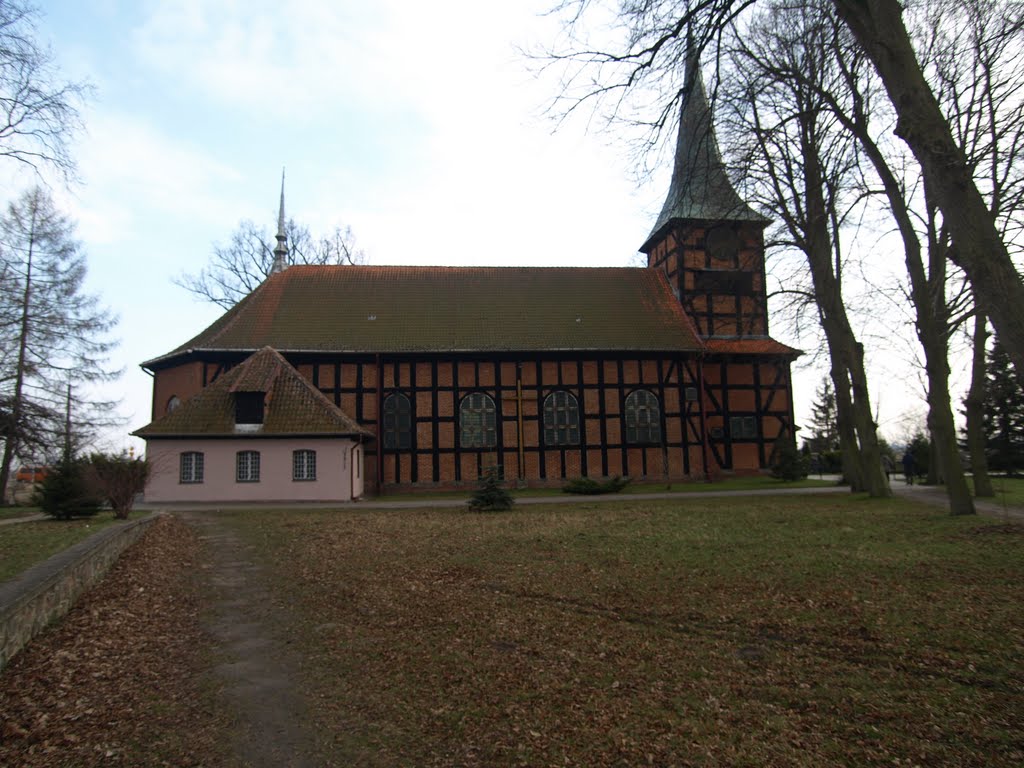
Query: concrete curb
x,y
45,592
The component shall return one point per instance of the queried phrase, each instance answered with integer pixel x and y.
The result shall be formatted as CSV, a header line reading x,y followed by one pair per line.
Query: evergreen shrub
x,y
587,487
491,496
788,463
68,492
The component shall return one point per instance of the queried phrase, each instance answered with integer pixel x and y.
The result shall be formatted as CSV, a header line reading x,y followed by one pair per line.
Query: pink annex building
x,y
328,379
261,432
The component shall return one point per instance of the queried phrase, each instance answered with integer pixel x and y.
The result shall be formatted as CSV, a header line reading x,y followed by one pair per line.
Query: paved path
x,y
927,494
936,495
27,519
397,502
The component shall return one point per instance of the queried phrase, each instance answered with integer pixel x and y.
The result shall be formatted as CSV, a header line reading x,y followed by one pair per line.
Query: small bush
x,y
67,492
491,496
787,462
118,479
587,487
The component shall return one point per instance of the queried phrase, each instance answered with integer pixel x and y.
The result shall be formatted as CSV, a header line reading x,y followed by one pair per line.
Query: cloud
x,y
292,60
133,172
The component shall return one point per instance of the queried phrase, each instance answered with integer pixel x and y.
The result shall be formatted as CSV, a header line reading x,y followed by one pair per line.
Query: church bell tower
x,y
709,242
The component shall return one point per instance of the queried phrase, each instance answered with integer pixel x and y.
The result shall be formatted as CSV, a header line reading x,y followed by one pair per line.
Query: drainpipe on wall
x,y
519,420
352,467
380,421
703,422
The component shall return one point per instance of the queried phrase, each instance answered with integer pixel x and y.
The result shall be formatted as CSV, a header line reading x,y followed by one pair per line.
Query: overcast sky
x,y
420,125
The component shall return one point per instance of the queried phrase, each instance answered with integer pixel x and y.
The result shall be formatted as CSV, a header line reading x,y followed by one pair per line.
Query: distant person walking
x,y
909,467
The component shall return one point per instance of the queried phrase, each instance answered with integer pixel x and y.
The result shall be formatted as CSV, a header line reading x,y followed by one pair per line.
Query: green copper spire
x,y
700,188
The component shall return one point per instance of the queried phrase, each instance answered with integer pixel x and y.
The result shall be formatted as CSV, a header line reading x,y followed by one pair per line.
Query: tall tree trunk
x,y
847,354
978,248
876,483
974,406
927,291
12,442
943,429
853,472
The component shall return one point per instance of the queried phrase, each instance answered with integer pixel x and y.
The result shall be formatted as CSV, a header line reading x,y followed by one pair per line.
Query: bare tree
x,y
971,49
38,110
804,167
236,269
55,332
654,45
934,320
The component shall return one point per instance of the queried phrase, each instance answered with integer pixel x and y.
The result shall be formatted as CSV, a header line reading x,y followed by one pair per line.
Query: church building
x,y
425,377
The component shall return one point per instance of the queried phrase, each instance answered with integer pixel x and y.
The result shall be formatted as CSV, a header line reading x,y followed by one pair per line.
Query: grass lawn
x,y
25,544
774,631
1009,490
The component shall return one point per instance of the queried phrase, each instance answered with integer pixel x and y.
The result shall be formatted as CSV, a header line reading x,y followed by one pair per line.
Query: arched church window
x,y
643,417
172,404
561,419
396,422
478,420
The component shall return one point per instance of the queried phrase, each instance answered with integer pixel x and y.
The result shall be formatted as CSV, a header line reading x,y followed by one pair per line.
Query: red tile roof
x,y
293,406
371,309
762,346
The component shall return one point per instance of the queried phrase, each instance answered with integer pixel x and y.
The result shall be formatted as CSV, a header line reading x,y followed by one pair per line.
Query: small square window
x,y
191,467
247,467
304,465
743,427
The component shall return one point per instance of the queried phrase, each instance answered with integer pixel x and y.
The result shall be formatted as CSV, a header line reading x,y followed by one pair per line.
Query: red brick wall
x,y
182,382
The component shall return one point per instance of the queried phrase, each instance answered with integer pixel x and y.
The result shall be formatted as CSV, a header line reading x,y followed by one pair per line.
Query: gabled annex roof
x,y
383,309
700,188
293,406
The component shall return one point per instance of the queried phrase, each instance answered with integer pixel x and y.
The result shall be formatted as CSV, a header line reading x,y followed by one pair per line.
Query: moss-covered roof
x,y
383,309
292,405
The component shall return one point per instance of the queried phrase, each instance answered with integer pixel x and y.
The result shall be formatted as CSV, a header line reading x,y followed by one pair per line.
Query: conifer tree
x,y
491,496
1003,412
824,419
52,334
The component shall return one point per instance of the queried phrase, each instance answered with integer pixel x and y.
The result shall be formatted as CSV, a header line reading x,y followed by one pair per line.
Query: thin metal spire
x,y
281,249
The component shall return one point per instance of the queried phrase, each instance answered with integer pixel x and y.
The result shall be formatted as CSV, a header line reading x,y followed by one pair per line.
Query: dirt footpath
x,y
170,661
254,669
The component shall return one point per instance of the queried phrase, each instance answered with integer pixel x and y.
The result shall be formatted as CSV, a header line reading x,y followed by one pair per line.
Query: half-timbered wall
x,y
437,387
747,408
718,274
751,390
